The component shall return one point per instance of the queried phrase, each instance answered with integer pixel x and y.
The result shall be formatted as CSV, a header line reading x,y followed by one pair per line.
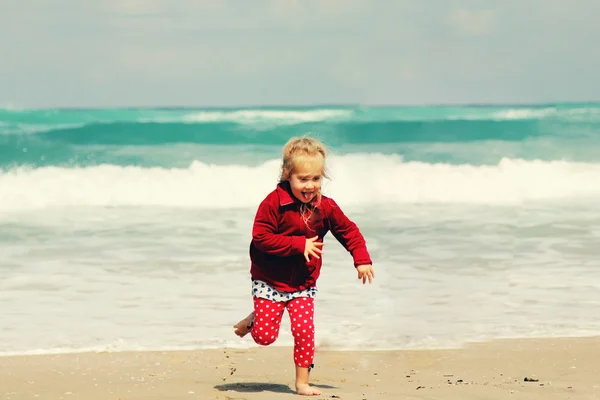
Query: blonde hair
x,y
297,151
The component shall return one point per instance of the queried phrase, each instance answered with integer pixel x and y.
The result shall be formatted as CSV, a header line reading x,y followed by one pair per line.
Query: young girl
x,y
285,253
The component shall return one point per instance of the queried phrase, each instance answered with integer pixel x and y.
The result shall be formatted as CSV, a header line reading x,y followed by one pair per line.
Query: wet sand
x,y
564,368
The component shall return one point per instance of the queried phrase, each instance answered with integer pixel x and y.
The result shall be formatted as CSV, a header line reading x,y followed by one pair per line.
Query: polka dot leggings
x,y
267,320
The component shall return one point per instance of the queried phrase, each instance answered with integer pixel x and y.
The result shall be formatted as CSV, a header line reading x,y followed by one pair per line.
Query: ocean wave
x,y
46,120
225,133
256,116
24,129
32,121
359,179
571,114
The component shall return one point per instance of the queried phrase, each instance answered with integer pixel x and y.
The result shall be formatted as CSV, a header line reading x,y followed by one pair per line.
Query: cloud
x,y
474,22
137,7
227,52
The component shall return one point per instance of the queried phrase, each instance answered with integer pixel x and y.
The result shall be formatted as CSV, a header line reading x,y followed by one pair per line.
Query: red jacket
x,y
279,236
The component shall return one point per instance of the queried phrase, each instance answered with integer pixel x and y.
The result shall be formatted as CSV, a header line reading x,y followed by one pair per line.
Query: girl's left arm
x,y
348,234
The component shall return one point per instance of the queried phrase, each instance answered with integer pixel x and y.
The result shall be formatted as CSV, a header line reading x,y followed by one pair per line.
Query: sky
x,y
140,53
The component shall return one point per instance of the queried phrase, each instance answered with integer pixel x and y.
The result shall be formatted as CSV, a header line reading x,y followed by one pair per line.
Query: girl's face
x,y
306,179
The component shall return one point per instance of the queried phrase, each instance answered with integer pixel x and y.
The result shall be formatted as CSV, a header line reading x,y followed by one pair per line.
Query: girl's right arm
x,y
266,238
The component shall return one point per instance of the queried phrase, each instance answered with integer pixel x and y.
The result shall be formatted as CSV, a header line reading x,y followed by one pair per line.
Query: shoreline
x,y
250,345
555,368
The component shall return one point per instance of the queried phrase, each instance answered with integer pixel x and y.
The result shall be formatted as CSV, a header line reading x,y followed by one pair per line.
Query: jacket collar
x,y
286,197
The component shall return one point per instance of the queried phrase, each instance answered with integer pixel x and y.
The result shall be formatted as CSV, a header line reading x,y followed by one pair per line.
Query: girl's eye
x,y
316,179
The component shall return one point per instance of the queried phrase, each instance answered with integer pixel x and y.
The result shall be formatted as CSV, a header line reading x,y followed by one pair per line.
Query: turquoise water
x,y
135,136
129,228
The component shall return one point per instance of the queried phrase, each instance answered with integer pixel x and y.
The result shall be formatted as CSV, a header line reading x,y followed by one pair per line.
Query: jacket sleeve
x,y
348,234
266,238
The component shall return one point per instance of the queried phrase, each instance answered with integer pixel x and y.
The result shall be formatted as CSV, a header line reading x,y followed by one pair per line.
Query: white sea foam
x,y
358,178
37,128
523,113
255,116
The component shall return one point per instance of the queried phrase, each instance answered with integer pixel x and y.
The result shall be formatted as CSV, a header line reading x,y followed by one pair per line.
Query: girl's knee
x,y
303,331
267,320
263,336
264,340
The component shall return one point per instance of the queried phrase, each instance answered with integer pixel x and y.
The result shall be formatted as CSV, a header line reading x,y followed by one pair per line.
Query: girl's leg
x,y
301,311
267,320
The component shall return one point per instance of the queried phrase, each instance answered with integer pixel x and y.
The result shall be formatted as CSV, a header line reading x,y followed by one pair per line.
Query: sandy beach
x,y
564,368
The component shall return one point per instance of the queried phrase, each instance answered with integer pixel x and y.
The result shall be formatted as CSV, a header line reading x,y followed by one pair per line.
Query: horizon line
x,y
11,107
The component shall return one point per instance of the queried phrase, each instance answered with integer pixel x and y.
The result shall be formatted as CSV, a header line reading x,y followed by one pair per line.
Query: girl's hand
x,y
364,272
312,248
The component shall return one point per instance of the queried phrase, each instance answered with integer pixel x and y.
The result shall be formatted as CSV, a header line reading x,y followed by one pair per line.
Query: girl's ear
x,y
285,174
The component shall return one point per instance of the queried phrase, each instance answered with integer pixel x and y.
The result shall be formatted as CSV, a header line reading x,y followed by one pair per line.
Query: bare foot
x,y
306,390
244,326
